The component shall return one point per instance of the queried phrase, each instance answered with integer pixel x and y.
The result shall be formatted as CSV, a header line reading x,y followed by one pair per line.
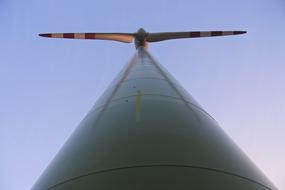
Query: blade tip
x,y
240,32
45,35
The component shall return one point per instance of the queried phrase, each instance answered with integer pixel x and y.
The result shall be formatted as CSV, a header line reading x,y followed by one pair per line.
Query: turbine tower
x,y
147,132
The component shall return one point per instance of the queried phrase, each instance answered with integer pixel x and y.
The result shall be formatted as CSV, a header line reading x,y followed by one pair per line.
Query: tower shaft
x,y
147,132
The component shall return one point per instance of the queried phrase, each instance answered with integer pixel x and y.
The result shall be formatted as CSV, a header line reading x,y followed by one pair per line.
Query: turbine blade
x,y
155,37
120,37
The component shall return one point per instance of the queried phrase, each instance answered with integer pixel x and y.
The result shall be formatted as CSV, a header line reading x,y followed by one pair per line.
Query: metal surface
x,y
147,132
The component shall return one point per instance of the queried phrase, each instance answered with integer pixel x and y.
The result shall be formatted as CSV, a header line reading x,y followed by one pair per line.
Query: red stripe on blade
x,y
89,36
68,35
216,33
194,34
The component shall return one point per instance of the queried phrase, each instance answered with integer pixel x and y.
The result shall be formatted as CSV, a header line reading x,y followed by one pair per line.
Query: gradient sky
x,y
48,85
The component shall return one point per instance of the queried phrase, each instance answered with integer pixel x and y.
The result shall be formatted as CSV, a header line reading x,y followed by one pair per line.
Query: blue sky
x,y
48,85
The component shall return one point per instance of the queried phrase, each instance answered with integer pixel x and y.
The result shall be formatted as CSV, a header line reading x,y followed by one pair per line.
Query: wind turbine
x,y
141,37
147,132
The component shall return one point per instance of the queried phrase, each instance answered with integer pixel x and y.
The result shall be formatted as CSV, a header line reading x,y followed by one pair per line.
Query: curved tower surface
x,y
147,133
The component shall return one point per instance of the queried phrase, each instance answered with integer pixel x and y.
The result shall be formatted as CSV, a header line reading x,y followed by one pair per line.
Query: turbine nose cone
x,y
141,30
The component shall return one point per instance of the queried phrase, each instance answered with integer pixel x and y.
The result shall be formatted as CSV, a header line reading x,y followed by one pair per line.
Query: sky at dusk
x,y
49,85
